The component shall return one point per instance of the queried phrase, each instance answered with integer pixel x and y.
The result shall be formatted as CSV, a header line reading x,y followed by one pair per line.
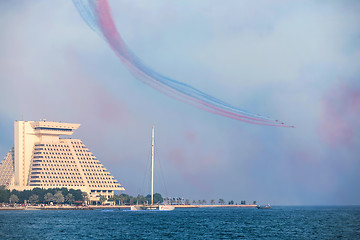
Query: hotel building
x,y
40,158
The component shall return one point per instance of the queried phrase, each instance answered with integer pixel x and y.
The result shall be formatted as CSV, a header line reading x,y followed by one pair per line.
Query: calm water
x,y
235,223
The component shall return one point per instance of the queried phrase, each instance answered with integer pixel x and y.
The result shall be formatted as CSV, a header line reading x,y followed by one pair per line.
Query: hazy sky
x,y
296,61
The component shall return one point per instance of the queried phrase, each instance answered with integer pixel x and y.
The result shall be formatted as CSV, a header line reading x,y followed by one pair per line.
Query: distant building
x,y
40,158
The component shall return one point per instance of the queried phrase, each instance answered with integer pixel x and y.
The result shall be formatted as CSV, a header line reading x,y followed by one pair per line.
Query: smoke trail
x,y
96,13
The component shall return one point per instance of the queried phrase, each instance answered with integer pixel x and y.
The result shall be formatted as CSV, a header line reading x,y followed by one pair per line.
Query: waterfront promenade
x,y
124,207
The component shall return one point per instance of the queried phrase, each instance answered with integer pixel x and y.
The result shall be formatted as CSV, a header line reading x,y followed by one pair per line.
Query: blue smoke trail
x,y
96,13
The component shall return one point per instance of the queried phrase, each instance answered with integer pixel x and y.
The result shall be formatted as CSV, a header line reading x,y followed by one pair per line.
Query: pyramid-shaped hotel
x,y
40,158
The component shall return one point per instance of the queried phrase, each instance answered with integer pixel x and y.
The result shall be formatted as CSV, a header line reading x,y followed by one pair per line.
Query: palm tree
x,y
48,197
221,201
116,198
69,198
102,199
86,198
34,198
112,200
121,199
59,197
140,199
212,201
13,198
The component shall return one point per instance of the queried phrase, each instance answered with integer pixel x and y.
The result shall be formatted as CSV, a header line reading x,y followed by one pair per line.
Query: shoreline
x,y
121,207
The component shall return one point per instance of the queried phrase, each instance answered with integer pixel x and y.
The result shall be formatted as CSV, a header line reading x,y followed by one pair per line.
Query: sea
x,y
280,222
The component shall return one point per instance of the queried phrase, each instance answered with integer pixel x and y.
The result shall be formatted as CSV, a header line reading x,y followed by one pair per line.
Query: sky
x,y
296,61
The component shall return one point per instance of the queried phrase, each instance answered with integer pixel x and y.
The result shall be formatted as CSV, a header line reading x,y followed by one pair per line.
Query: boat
x,y
152,206
264,207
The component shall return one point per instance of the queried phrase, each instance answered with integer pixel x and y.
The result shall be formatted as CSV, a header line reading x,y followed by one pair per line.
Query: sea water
x,y
316,222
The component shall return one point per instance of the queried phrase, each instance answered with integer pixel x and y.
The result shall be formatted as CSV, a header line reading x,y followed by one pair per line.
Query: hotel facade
x,y
40,158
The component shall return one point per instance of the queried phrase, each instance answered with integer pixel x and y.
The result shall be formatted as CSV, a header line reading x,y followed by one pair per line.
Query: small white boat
x,y
156,207
264,207
152,206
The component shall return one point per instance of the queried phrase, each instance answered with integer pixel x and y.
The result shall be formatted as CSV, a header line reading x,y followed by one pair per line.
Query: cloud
x,y
339,124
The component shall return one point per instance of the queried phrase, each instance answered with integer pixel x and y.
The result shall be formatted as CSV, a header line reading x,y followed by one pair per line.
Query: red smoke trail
x,y
98,16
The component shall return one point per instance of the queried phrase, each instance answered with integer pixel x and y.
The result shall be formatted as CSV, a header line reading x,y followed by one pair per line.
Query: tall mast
x,y
152,166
